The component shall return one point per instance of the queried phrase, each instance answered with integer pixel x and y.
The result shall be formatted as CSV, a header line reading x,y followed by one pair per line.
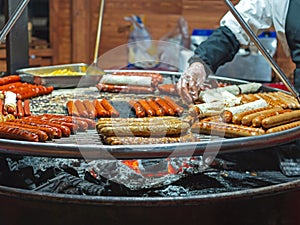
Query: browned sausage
x,y
81,108
247,120
237,118
48,131
178,109
280,119
168,110
256,122
9,79
81,122
27,107
1,106
16,133
169,89
225,129
90,109
72,109
148,109
158,110
41,134
108,107
139,110
124,89
283,127
101,112
20,109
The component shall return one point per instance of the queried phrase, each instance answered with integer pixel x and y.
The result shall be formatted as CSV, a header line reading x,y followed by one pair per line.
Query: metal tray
x,y
38,75
89,146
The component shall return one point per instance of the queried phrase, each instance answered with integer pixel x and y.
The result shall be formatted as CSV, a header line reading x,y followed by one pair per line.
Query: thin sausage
x,y
16,133
247,120
280,119
72,109
27,107
178,109
101,112
148,109
139,110
124,89
112,111
168,110
283,127
20,109
157,108
81,108
90,109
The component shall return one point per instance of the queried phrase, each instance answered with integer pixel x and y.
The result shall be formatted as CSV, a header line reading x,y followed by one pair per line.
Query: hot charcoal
x,y
150,177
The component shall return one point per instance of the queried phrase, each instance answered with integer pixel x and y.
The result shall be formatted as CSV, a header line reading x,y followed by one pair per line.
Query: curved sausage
x,y
247,120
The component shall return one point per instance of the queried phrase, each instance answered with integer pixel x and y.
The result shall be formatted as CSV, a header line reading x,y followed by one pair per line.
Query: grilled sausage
x,y
177,109
228,113
101,112
168,109
280,119
81,108
145,130
26,107
256,122
139,110
247,120
108,107
124,89
158,110
237,118
90,109
20,109
148,109
82,123
72,109
225,129
41,134
16,133
283,127
27,126
169,89
147,140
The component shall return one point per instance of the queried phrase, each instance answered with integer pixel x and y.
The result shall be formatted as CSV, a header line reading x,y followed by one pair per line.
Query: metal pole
x,y
262,49
13,19
17,50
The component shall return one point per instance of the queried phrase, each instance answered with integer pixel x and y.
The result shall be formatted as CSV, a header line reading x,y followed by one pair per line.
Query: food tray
x,y
89,146
38,75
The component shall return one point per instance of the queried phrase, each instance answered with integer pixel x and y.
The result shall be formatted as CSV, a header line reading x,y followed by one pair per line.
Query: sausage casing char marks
x,y
280,119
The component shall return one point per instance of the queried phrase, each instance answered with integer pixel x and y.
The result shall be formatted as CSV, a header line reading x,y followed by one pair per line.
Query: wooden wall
x,y
73,25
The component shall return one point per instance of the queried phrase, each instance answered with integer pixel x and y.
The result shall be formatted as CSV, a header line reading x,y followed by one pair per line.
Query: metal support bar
x,y
17,50
262,49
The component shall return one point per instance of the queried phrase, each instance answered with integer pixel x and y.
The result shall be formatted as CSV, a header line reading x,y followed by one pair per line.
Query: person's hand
x,y
189,84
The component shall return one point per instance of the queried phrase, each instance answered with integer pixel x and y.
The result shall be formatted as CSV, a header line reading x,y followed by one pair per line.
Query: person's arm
x,y
223,44
219,48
